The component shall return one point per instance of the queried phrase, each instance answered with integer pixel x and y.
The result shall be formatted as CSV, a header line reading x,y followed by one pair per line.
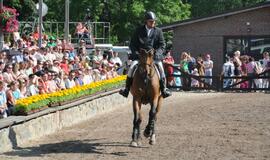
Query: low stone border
x,y
17,130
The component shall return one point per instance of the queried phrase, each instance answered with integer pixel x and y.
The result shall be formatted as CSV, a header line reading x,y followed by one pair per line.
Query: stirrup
x,y
124,92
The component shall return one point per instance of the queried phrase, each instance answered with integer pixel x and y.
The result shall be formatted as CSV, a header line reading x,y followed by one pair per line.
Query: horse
x,y
145,89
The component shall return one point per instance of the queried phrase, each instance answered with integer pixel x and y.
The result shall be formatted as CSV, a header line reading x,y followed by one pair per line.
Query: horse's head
x,y
146,56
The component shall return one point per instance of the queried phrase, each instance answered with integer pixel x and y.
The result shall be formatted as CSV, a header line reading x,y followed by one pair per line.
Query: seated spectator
x,y
79,78
8,74
43,83
59,80
64,65
38,67
70,80
87,79
56,67
115,59
23,87
52,86
97,58
82,31
33,85
58,53
13,94
104,59
3,101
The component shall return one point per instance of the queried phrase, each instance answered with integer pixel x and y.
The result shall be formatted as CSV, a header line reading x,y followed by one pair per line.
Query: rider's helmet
x,y
150,16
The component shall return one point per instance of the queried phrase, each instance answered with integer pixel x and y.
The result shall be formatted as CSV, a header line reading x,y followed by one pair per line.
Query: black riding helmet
x,y
150,16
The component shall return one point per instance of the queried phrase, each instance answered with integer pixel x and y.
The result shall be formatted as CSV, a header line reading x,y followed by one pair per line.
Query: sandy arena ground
x,y
223,126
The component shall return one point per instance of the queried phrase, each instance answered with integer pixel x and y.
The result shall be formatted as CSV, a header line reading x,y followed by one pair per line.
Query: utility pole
x,y
1,32
66,20
40,23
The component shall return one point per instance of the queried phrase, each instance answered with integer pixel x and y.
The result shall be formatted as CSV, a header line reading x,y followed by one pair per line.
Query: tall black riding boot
x,y
164,90
124,92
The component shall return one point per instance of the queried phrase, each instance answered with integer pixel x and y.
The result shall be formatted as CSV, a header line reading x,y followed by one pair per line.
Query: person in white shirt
x,y
208,67
228,71
115,59
265,61
70,80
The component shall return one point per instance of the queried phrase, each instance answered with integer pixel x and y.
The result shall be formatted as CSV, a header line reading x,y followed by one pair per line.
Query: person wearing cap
x,y
147,36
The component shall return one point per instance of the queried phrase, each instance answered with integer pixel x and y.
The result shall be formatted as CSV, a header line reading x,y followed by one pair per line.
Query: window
x,y
252,46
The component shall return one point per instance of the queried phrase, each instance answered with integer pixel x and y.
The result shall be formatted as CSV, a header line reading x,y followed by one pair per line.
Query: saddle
x,y
155,66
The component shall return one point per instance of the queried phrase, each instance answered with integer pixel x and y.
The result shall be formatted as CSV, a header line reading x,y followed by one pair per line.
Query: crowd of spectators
x,y
244,65
235,66
26,69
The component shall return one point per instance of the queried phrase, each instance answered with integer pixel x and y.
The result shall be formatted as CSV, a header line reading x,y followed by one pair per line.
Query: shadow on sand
x,y
78,146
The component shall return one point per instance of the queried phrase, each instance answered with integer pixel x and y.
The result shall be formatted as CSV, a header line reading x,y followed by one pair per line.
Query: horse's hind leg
x,y
136,137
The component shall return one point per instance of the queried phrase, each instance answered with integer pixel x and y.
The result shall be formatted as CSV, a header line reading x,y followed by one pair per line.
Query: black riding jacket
x,y
140,40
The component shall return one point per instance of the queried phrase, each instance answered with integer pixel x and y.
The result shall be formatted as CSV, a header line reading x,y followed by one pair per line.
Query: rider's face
x,y
150,23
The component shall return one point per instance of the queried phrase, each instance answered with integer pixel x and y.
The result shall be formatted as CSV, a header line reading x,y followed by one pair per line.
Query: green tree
x,y
208,7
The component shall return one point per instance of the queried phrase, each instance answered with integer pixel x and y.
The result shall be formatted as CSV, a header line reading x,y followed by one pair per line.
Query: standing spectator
x,y
200,68
194,82
168,61
3,101
244,61
184,69
237,66
251,72
208,68
228,71
265,61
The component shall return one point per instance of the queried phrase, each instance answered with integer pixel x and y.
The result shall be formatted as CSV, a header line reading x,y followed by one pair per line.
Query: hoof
x,y
133,144
146,133
152,140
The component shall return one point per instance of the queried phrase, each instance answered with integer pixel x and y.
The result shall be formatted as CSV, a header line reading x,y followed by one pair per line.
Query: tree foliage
x,y
125,15
202,8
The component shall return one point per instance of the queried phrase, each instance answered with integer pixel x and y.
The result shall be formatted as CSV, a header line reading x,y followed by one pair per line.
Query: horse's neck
x,y
151,72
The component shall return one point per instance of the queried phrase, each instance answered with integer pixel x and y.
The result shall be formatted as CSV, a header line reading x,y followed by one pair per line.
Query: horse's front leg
x,y
150,128
136,137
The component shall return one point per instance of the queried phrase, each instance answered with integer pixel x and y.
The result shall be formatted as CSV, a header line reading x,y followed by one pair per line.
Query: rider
x,y
147,36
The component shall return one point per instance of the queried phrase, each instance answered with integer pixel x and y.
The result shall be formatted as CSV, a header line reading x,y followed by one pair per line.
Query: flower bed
x,y
37,102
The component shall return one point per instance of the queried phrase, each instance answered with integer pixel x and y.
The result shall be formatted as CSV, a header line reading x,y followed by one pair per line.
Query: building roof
x,y
224,14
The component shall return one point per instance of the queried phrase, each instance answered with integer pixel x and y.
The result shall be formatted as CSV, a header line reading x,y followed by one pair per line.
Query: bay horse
x,y
145,89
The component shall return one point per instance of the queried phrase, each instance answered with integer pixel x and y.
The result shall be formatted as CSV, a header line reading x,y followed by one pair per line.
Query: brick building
x,y
246,29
